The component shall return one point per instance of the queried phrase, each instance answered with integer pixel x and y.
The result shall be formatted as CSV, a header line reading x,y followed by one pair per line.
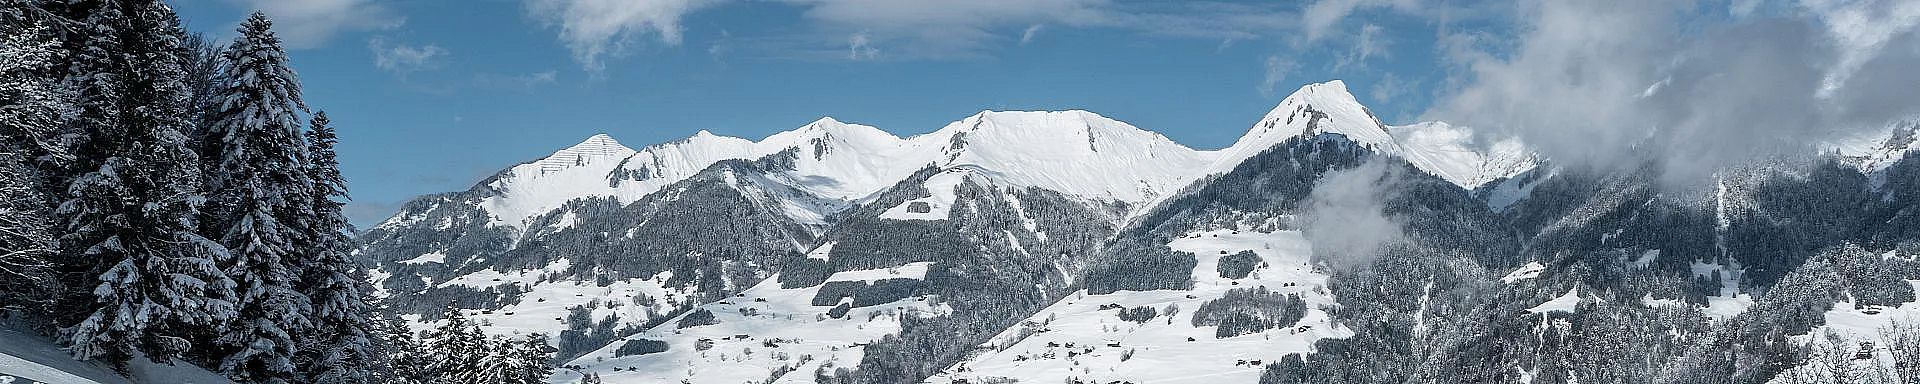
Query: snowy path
x,y
14,366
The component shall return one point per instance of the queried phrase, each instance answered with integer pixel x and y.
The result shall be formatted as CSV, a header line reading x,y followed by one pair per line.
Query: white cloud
x,y
1579,82
402,59
859,47
1277,69
1345,214
312,23
944,29
527,81
1027,37
1367,45
1320,18
1862,29
595,30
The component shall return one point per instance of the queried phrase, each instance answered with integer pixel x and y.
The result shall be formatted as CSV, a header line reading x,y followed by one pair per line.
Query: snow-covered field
x,y
764,335
1076,337
27,358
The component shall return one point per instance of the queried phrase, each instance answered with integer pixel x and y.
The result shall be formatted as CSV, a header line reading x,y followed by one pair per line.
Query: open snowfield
x,y
765,334
27,358
1077,338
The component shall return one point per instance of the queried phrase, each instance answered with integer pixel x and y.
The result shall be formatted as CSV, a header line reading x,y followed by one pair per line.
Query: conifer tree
x,y
31,104
340,347
258,177
455,349
499,363
535,359
129,216
406,360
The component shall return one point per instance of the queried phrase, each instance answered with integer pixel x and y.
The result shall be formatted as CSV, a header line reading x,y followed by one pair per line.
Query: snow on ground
x,y
1076,338
429,257
1855,326
915,270
1525,272
765,335
1565,303
1449,152
1729,302
545,305
937,204
821,252
26,357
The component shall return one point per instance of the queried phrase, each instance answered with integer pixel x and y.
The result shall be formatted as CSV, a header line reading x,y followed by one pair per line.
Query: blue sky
x,y
433,95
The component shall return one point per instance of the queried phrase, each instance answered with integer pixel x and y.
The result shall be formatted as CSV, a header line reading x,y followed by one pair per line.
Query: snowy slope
x,y
1074,152
1439,148
830,158
1874,152
26,358
1449,152
764,335
1078,338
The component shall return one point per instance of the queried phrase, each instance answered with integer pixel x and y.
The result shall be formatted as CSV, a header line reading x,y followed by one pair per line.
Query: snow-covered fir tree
x,y
30,84
339,349
533,356
258,200
455,350
129,217
31,117
406,360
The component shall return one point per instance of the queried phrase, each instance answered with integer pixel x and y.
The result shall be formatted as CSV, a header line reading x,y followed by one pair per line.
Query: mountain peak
x,y
595,148
1313,109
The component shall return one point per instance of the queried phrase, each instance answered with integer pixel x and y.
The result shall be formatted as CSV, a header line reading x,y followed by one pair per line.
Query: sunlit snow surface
x,y
1037,351
803,338
1525,272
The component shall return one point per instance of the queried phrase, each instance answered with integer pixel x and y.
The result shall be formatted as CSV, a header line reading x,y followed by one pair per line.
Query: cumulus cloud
x,y
402,59
1615,82
1345,214
312,23
595,30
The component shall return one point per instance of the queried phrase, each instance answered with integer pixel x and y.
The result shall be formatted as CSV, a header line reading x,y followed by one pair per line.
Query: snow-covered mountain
x,y
1442,149
607,246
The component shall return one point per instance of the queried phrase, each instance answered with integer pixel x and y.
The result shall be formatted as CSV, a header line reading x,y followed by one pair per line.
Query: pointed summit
x,y
1314,109
594,148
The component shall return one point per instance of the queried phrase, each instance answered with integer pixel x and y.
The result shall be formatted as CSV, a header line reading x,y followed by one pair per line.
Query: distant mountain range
x,y
1067,246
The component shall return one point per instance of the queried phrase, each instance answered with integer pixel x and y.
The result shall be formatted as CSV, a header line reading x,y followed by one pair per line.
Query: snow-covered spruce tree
x,y
31,105
406,359
535,356
129,216
340,347
32,101
455,349
204,60
500,364
258,200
